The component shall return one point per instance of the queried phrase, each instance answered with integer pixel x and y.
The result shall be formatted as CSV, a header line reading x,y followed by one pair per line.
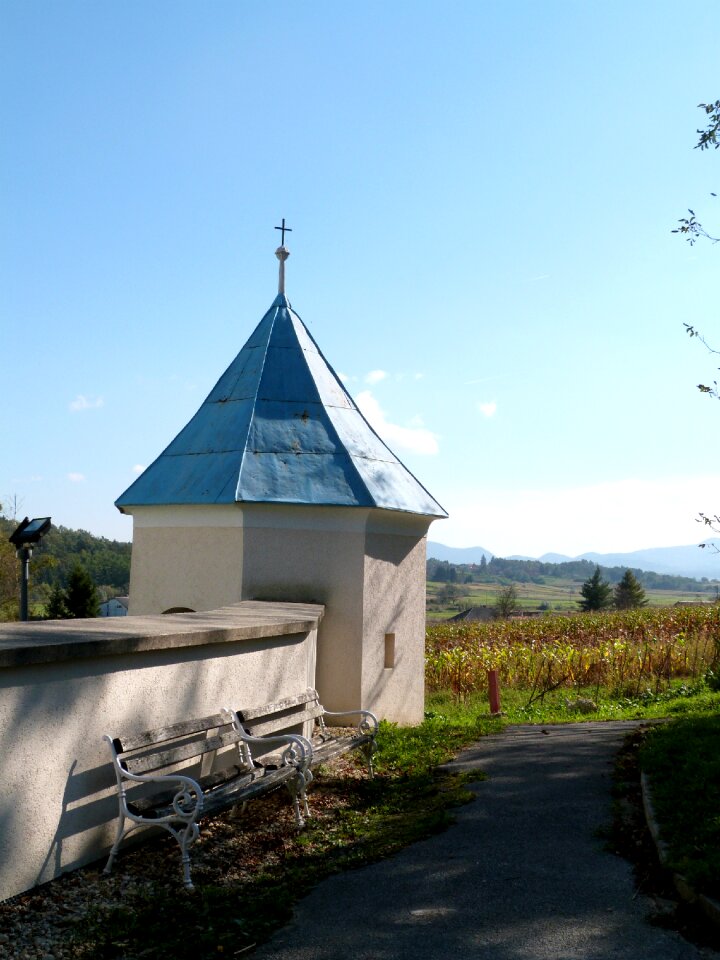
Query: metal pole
x,y
24,554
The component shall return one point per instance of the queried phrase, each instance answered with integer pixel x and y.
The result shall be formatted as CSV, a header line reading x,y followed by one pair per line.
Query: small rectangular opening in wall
x,y
389,651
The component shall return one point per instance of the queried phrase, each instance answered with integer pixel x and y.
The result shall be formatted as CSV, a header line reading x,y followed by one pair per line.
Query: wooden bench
x,y
306,709
201,767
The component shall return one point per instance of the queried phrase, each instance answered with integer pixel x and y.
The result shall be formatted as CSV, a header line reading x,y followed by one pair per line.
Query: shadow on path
x,y
521,875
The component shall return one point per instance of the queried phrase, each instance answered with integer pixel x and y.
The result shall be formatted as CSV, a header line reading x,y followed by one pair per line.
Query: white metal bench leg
x,y
186,837
307,779
116,846
370,752
296,791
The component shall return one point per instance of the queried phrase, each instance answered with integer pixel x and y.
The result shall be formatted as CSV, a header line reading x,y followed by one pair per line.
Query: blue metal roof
x,y
279,427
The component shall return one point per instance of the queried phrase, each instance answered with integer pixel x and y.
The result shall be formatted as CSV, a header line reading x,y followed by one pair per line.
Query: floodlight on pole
x,y
24,539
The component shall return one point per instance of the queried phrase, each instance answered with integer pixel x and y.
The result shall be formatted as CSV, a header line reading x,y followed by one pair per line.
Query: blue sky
x,y
481,195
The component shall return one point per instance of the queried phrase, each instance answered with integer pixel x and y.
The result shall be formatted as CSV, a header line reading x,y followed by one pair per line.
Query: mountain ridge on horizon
x,y
687,561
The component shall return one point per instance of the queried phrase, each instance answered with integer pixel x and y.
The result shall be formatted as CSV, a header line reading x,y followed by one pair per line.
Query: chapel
x,y
279,489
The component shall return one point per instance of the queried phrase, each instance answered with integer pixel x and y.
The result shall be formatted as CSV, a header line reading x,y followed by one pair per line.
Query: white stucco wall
x,y
65,684
394,622
367,567
186,557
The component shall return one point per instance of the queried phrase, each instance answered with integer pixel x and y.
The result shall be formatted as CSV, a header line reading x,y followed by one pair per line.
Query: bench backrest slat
x,y
162,734
281,721
148,761
251,713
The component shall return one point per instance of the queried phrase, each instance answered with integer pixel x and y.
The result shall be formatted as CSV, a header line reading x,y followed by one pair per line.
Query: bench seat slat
x,y
288,703
144,805
147,762
173,732
324,750
258,785
239,785
261,728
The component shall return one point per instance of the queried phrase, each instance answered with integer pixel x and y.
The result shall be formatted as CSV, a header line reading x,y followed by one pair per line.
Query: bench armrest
x,y
368,723
298,749
187,802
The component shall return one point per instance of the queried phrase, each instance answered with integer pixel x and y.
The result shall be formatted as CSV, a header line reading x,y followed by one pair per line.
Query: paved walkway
x,y
520,876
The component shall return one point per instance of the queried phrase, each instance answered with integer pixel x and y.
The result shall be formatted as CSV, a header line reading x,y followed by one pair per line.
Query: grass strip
x,y
682,762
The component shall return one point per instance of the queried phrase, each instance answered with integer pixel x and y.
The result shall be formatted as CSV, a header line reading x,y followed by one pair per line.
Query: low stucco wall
x,y
63,684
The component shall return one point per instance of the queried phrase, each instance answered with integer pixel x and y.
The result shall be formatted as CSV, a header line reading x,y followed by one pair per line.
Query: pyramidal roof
x,y
279,427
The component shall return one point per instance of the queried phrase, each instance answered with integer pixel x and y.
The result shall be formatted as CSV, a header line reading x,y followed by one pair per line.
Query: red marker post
x,y
494,692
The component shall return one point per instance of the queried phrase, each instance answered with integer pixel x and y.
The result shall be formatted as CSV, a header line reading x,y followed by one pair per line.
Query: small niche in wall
x,y
389,651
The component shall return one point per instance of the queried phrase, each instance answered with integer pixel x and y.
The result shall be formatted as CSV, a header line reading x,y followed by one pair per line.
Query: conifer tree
x,y
596,593
55,608
81,596
629,593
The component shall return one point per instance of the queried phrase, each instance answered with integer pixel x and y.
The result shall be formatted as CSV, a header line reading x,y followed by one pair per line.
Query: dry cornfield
x,y
625,652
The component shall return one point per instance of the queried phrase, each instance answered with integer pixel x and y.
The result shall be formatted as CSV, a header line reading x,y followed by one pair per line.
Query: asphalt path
x,y
521,875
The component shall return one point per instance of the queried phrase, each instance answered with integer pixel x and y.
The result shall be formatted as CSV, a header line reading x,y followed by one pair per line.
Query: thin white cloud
x,y
415,439
488,409
375,376
615,516
138,468
81,402
76,477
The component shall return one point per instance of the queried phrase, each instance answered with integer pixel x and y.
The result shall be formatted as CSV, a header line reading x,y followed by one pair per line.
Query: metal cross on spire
x,y
284,231
282,253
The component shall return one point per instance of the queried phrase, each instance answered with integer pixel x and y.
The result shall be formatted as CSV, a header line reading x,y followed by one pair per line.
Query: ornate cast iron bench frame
x,y
306,708
176,791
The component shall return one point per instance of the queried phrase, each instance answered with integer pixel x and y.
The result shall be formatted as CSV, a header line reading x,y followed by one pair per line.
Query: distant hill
x,y
438,551
688,561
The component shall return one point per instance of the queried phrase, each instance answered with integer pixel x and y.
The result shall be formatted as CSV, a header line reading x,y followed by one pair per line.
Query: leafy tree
x,y
9,587
709,137
81,596
107,561
447,593
693,229
506,602
628,593
596,593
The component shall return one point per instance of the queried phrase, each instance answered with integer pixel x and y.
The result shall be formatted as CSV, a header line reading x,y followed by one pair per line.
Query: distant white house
x,y
117,607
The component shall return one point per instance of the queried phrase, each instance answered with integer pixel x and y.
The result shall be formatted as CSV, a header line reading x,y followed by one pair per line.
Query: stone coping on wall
x,y
51,641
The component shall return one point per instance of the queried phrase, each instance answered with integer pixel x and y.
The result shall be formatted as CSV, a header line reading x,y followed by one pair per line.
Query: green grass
x,y
682,762
680,698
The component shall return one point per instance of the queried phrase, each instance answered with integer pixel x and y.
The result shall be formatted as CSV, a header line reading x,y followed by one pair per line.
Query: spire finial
x,y
284,231
282,253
